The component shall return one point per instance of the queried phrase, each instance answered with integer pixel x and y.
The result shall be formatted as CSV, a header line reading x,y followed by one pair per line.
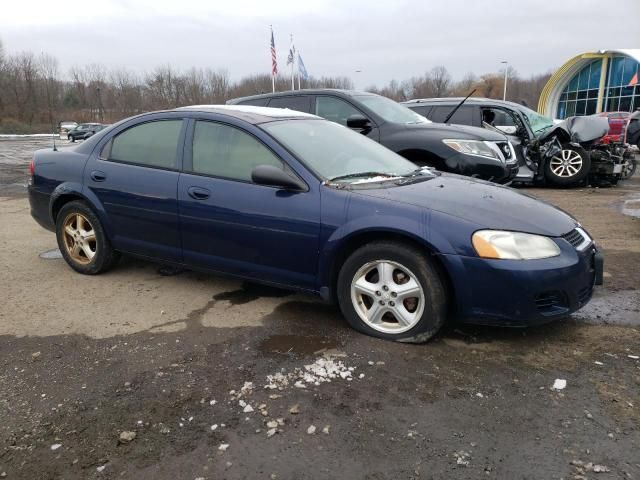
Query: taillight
x,y
32,168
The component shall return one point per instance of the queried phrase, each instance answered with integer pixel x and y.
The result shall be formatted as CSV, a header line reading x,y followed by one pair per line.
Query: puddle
x,y
250,292
300,345
618,308
631,207
51,254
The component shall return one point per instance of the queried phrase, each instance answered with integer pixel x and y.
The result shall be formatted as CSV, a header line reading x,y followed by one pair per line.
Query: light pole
x,y
506,69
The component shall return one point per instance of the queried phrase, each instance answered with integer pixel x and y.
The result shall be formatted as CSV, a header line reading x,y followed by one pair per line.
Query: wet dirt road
x,y
164,358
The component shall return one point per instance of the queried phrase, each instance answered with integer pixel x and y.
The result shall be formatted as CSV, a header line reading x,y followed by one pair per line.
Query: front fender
x,y
76,189
356,232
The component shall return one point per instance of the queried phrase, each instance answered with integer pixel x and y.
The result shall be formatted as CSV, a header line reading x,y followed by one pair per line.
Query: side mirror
x,y
358,121
275,177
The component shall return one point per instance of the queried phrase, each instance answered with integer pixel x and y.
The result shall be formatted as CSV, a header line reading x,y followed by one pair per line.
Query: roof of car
x,y
249,113
455,100
306,91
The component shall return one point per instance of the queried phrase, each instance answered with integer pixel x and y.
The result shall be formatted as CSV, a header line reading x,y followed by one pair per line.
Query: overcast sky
x,y
385,40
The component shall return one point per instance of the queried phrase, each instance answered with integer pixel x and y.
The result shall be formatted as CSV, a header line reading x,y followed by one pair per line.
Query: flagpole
x,y
293,61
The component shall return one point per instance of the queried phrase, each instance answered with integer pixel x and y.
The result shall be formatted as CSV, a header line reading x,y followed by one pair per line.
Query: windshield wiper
x,y
421,171
363,174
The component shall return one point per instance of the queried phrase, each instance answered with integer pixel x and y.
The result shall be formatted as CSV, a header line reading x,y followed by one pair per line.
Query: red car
x,y
617,123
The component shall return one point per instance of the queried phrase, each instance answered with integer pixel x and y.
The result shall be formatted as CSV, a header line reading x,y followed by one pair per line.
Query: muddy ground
x,y
155,352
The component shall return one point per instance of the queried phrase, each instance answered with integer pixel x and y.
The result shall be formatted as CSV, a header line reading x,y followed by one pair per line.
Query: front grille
x,y
574,237
552,302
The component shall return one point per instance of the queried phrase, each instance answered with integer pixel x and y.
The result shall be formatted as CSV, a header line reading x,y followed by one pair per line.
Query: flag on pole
x,y
634,80
274,62
292,53
291,60
302,69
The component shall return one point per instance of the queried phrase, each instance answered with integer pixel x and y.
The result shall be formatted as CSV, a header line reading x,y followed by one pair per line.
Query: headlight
x,y
513,245
475,147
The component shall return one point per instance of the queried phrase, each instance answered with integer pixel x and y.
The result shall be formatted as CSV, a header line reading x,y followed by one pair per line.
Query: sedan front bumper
x,y
523,292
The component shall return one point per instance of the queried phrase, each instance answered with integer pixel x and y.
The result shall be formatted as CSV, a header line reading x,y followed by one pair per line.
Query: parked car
x,y
632,131
289,199
463,150
550,152
65,127
617,124
84,131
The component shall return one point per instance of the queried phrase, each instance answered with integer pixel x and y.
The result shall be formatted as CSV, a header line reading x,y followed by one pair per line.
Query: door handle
x,y
98,176
198,193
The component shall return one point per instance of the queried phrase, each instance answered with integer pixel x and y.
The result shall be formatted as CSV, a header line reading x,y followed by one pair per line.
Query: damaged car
x,y
292,200
549,152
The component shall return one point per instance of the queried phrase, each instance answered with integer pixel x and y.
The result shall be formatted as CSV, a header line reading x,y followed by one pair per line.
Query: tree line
x,y
437,82
35,95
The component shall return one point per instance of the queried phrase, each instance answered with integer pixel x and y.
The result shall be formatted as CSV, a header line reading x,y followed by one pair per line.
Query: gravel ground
x,y
148,372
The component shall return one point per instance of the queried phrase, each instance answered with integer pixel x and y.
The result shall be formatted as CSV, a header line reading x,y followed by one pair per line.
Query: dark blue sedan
x,y
290,199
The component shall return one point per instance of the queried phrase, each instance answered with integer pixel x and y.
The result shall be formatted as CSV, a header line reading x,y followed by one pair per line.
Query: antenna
x,y
55,149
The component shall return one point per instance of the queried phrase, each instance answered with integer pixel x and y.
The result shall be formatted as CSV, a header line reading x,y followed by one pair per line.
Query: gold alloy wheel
x,y
79,238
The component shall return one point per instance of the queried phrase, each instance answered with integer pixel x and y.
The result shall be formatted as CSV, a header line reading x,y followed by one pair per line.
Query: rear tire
x,y
392,291
569,167
82,240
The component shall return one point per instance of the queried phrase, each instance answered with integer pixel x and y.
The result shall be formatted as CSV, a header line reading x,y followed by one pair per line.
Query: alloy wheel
x,y
387,296
79,238
566,164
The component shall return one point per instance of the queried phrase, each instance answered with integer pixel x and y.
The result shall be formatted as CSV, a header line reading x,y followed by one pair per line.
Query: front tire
x,y
82,240
629,170
569,167
392,291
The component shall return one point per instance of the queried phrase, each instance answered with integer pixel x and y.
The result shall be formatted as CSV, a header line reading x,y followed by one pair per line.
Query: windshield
x,y
537,122
331,150
391,111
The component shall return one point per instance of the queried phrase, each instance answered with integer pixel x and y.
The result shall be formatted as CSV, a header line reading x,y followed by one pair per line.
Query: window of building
x,y
580,95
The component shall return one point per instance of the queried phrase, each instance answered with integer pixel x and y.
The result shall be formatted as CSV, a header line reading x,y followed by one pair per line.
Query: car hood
x,y
486,204
460,132
580,129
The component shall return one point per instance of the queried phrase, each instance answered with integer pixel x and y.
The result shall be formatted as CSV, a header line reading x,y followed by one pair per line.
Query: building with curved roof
x,y
593,82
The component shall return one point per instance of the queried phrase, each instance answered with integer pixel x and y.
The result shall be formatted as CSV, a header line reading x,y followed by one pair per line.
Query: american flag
x,y
274,62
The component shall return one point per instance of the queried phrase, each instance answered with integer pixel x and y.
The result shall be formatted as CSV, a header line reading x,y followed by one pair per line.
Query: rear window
x,y
154,144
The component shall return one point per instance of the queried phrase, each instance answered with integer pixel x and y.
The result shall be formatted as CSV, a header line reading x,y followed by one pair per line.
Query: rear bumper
x,y
522,293
39,203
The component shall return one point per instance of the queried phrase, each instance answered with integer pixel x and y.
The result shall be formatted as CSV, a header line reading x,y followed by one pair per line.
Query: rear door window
x,y
463,116
301,103
153,144
224,151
